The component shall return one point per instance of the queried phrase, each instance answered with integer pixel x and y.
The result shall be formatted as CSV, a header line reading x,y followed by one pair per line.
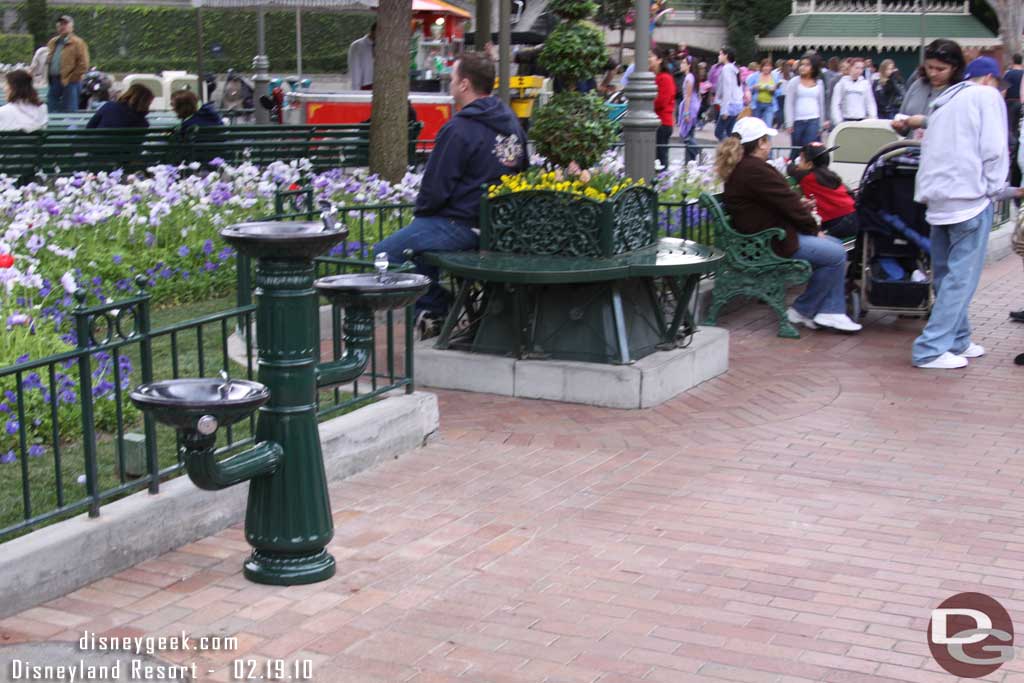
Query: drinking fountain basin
x,y
283,239
181,403
393,290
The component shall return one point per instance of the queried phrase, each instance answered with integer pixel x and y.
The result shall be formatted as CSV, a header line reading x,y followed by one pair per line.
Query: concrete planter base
x,y
643,384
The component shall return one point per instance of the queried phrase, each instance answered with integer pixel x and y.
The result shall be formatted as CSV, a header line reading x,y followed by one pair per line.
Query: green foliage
x,y
15,48
572,10
37,21
746,19
573,126
612,13
147,38
574,51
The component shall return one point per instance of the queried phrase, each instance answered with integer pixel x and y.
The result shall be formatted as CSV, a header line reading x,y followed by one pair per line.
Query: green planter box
x,y
545,222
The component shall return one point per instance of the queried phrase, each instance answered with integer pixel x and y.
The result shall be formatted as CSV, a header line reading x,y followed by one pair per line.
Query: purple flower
x,y
4,408
184,251
166,273
225,253
12,426
208,247
209,266
117,259
216,162
17,319
21,359
8,457
35,451
150,239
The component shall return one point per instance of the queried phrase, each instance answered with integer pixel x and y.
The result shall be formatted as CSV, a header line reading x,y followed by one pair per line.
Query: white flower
x,y
67,281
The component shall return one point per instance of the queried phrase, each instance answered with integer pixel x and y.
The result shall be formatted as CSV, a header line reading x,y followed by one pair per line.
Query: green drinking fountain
x,y
288,518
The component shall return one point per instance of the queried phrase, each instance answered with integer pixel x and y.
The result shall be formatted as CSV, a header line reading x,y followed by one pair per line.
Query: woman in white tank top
x,y
805,104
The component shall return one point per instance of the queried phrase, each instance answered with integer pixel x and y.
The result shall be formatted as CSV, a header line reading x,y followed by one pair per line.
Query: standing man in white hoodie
x,y
853,98
964,162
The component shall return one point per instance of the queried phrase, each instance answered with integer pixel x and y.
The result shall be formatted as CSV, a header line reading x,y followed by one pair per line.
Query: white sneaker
x,y
837,321
795,317
973,351
946,361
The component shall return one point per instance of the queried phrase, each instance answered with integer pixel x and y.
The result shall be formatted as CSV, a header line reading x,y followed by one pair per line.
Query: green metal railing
x,y
98,447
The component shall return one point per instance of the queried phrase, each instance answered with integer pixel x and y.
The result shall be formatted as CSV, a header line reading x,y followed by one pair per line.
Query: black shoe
x,y
427,326
1017,316
1019,360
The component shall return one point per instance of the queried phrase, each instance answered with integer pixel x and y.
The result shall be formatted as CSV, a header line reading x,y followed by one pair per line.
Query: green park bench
x,y
66,150
548,283
751,268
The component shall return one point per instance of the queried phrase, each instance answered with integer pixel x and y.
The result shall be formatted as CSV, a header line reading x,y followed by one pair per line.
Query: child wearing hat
x,y
818,182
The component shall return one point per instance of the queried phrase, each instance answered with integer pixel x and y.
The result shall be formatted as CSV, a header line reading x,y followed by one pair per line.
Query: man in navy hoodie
x,y
481,143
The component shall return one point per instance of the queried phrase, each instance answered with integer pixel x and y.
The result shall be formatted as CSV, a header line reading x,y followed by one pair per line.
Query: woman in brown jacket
x,y
758,197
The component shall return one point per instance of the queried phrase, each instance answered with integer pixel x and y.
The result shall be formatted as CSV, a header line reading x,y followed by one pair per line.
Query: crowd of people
x,y
58,68
964,107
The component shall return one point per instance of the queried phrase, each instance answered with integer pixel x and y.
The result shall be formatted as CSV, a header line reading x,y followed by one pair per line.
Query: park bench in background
x,y
66,150
751,268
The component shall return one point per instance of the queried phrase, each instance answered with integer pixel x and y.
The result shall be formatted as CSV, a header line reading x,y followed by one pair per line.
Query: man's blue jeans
x,y
62,97
805,131
429,233
723,128
958,256
826,290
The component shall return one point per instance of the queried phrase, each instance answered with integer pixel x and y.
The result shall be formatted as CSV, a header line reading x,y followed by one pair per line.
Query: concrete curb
x,y
63,557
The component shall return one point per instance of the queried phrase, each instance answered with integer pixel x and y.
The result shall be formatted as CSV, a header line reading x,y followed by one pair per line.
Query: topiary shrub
x,y
573,126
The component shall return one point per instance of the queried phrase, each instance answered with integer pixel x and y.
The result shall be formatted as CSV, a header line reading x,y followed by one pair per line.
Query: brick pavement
x,y
792,521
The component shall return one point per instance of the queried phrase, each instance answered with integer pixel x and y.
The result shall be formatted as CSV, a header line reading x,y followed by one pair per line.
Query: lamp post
x,y
261,66
504,49
201,91
640,124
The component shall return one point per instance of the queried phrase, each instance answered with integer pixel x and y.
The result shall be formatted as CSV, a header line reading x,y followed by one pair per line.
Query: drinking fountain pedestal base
x,y
283,569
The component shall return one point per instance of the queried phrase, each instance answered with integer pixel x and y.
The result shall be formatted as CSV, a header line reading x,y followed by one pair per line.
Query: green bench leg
x,y
774,294
619,319
445,337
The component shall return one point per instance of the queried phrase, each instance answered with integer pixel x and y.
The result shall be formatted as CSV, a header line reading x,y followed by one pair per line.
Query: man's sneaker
x,y
973,351
427,326
794,316
946,361
837,321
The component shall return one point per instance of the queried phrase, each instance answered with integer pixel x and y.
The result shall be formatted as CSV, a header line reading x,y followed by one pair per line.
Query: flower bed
x,y
99,232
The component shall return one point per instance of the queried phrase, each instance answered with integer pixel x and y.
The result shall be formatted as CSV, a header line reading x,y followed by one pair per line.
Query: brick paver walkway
x,y
792,521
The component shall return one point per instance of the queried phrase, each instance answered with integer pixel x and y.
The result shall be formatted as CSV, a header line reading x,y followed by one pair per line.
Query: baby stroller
x,y
890,268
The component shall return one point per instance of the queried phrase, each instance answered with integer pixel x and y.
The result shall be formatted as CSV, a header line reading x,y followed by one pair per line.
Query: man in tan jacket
x,y
67,62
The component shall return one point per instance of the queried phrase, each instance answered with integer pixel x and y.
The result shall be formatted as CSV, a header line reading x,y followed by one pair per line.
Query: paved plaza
x,y
793,521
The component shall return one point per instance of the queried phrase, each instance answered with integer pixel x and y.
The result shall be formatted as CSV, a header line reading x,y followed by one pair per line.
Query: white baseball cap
x,y
751,128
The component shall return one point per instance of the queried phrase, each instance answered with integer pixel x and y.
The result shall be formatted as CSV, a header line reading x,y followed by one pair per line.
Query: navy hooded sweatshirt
x,y
115,114
206,115
480,144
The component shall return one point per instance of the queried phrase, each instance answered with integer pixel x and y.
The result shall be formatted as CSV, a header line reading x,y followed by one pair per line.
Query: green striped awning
x,y
870,30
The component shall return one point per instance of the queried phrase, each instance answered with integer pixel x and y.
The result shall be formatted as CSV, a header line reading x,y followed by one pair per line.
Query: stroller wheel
x,y
854,307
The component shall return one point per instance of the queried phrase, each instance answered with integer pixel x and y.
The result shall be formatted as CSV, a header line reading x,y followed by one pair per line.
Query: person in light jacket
x,y
964,163
360,60
853,98
24,110
728,93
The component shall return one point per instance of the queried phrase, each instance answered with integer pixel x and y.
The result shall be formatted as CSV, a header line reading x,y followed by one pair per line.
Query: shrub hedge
x,y
146,39
15,47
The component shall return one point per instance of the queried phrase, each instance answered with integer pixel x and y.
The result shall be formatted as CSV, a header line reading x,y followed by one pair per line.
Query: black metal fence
x,y
78,440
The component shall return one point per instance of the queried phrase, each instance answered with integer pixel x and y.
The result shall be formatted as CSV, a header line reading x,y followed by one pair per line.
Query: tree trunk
x,y
484,10
389,125
1011,25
